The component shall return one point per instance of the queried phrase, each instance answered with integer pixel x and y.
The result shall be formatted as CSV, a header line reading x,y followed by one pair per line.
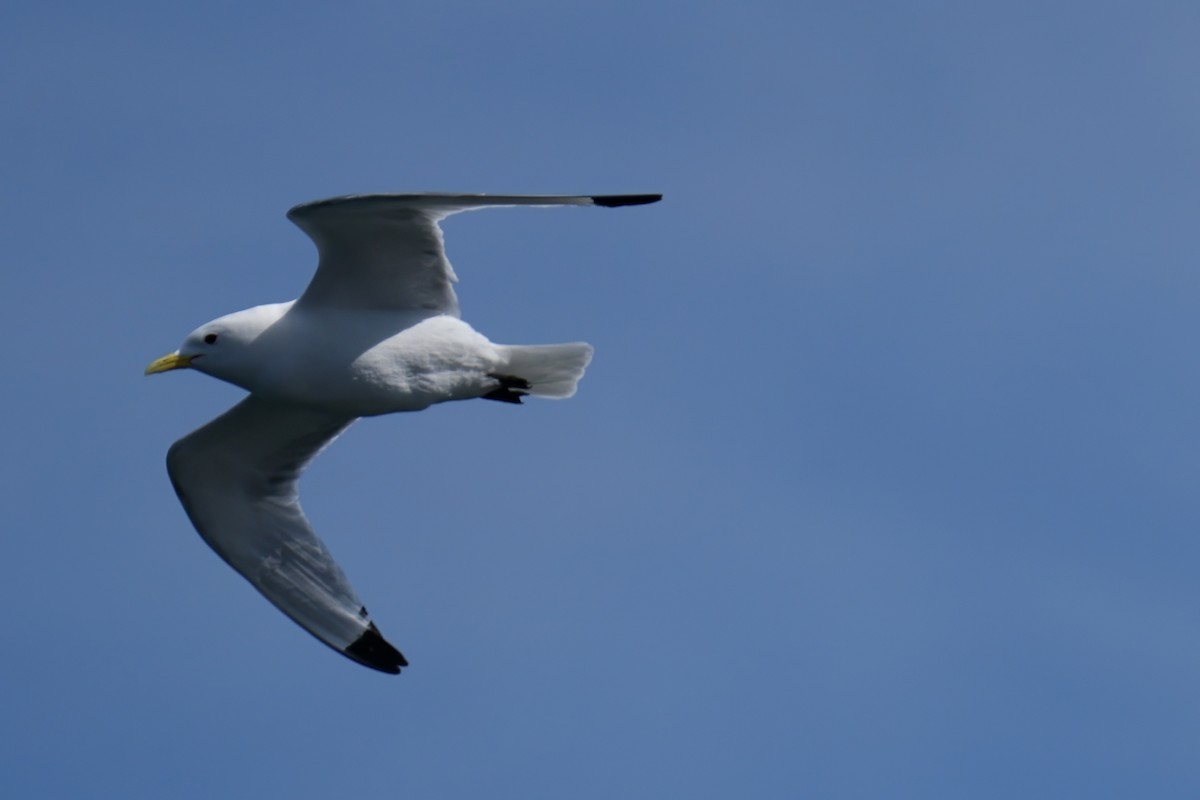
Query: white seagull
x,y
377,331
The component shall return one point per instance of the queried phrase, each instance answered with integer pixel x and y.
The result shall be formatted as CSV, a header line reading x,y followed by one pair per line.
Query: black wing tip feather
x,y
617,200
372,650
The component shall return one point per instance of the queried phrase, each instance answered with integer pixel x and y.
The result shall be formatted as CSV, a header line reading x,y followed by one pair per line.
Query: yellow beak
x,y
168,362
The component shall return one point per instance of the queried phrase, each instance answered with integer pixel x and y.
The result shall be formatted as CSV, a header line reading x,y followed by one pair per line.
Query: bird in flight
x,y
377,331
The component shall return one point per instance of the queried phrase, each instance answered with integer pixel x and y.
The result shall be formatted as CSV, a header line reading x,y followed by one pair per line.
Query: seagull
x,y
377,331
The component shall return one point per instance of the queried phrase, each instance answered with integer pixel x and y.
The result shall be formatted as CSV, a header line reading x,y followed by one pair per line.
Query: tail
x,y
545,370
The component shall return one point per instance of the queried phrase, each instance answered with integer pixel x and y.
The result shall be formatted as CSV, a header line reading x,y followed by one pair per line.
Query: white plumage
x,y
377,331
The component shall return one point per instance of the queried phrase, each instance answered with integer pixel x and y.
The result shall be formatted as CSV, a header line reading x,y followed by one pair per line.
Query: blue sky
x,y
881,483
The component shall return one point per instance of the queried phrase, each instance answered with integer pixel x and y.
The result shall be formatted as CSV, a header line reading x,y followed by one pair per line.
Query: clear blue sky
x,y
882,482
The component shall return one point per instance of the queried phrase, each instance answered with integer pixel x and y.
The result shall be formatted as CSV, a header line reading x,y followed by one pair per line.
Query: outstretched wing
x,y
236,478
385,251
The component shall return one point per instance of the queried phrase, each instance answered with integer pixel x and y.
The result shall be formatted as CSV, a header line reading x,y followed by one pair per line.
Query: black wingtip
x,y
372,650
615,200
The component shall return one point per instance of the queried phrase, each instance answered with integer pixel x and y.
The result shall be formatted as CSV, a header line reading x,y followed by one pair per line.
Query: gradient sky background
x,y
881,484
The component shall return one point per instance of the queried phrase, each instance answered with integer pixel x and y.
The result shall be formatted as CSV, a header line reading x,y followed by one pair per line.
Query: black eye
x,y
210,338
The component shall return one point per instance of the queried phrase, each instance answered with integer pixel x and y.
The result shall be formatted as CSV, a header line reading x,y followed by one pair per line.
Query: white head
x,y
224,348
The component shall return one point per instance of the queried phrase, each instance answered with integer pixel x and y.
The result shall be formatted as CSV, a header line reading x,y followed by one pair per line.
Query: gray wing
x,y
385,251
236,477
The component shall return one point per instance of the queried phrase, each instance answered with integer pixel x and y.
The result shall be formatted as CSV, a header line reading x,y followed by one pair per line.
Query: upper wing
x,y
236,478
385,251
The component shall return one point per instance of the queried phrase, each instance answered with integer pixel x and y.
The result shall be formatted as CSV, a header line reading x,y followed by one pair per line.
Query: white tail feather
x,y
553,370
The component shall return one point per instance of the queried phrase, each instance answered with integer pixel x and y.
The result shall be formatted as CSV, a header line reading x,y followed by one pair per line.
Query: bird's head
x,y
224,347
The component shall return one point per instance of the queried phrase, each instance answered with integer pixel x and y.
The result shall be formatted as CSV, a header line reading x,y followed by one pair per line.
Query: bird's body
x,y
377,331
362,363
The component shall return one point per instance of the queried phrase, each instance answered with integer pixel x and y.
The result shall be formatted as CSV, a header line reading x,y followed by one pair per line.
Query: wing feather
x,y
237,480
385,251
